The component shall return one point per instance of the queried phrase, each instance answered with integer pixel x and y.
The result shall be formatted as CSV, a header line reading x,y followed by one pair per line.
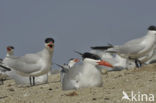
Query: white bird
x,y
116,60
65,68
136,48
85,74
33,65
19,79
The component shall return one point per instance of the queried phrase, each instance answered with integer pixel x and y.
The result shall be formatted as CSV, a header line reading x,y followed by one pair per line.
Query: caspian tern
x,y
19,79
137,48
33,65
65,68
85,74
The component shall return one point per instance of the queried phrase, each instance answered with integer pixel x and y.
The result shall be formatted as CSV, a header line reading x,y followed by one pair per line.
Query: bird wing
x,y
130,49
132,46
29,58
27,64
74,71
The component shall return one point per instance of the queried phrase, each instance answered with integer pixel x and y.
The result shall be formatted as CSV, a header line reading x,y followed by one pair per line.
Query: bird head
x,y
10,50
49,44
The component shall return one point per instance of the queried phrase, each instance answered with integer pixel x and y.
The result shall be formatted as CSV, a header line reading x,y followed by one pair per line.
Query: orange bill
x,y
76,60
104,63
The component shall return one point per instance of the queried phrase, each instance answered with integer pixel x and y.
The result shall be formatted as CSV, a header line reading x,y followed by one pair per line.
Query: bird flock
x,y
33,69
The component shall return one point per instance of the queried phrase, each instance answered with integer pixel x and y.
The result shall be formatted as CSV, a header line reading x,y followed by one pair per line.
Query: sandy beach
x,y
114,83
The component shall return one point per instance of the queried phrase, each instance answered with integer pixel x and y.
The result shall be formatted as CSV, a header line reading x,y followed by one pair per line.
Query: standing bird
x,y
85,74
136,48
33,65
19,79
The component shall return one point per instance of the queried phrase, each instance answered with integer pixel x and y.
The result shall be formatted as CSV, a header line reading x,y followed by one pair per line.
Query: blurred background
x,y
74,24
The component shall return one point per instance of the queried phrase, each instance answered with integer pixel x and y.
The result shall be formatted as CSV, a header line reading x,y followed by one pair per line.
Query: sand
x,y
114,83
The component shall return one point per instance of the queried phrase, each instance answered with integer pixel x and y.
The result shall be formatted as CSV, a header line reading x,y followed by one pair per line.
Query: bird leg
x,y
33,80
138,63
30,80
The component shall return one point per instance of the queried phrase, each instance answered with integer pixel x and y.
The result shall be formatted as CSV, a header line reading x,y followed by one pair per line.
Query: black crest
x,y
71,59
10,47
91,56
47,40
152,27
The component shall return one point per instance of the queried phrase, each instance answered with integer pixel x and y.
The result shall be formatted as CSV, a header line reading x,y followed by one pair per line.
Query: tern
x,y
19,79
85,74
35,64
136,48
65,68
116,60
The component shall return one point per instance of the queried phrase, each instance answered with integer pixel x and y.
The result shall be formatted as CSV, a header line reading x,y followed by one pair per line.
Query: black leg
x,y
30,80
33,80
138,63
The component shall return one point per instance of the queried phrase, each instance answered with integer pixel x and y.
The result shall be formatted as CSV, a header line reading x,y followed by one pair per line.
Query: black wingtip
x,y
152,27
78,52
102,47
59,65
6,68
